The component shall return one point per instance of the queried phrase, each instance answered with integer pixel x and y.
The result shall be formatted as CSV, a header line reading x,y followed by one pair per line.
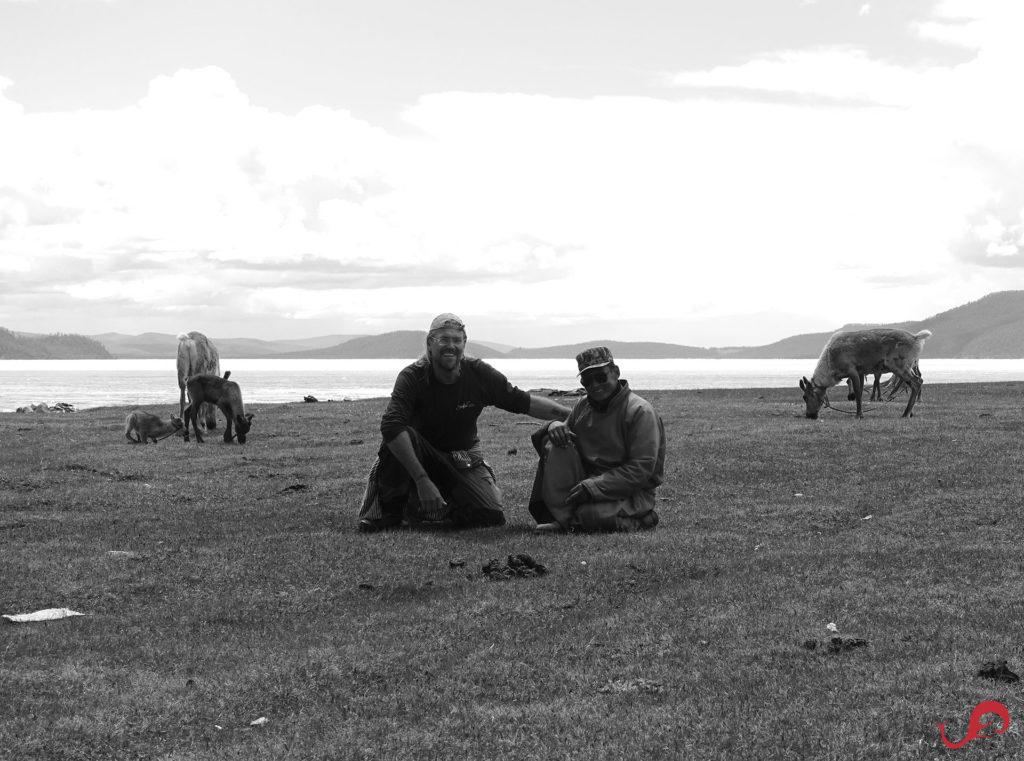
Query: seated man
x,y
430,466
599,469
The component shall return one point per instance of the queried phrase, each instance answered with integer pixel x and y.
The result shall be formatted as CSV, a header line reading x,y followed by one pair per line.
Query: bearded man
x,y
430,466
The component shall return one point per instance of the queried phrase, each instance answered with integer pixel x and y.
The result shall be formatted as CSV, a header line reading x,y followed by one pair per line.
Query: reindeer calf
x,y
149,427
224,394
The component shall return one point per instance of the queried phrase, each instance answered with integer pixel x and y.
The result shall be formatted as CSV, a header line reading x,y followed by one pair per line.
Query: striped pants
x,y
472,493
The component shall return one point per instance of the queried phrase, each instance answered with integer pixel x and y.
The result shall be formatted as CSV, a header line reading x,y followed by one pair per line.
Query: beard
x,y
446,358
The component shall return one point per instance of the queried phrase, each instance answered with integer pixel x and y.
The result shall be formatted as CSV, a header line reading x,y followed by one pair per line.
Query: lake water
x,y
150,382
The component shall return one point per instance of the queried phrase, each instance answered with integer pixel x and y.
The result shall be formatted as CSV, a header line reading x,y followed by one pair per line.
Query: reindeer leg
x,y
211,417
915,391
858,390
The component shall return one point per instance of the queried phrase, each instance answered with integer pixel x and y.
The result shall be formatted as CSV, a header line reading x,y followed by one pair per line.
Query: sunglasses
x,y
599,376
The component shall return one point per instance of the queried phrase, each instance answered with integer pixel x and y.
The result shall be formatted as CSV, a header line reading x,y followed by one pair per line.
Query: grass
x,y
249,594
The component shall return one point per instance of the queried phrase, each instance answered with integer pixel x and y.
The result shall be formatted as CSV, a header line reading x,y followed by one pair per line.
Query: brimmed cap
x,y
599,356
447,320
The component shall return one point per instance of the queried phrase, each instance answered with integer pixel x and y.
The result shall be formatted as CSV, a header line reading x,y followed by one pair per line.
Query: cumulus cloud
x,y
822,162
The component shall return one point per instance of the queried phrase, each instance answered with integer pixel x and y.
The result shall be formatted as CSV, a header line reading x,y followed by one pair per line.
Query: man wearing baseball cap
x,y
599,469
430,466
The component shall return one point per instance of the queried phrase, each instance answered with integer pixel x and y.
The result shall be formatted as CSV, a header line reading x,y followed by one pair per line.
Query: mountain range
x,y
990,328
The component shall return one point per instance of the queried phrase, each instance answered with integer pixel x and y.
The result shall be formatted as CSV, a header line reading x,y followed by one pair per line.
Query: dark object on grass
x,y
457,563
999,671
845,644
309,398
517,566
513,450
810,644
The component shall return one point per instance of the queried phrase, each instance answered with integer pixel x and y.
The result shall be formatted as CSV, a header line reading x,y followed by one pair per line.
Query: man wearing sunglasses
x,y
430,467
598,470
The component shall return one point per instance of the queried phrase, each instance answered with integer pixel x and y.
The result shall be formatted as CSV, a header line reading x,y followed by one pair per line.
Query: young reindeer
x,y
148,427
892,386
223,393
854,353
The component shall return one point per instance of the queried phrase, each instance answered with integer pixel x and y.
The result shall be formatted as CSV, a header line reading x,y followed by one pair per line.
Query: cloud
x,y
829,74
760,184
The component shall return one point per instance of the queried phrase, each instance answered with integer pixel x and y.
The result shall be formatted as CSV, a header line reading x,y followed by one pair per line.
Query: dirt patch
x,y
517,566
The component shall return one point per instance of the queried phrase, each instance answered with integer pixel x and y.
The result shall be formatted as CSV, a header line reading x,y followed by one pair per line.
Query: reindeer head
x,y
176,423
814,397
242,425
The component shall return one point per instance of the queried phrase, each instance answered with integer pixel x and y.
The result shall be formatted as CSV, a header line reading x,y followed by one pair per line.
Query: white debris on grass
x,y
49,614
632,685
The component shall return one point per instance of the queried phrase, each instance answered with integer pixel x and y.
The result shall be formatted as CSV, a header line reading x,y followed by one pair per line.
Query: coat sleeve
x,y
645,437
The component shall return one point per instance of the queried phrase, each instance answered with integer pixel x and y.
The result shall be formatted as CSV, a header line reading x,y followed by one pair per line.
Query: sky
x,y
713,173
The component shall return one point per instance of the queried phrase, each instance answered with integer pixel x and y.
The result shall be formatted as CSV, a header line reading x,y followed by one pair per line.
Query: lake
x,y
150,382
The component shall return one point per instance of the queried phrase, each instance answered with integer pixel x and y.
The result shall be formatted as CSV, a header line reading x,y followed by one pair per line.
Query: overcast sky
x,y
709,173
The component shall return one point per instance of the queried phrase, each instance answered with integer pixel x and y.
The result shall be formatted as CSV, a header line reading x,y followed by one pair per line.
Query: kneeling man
x,y
598,470
430,466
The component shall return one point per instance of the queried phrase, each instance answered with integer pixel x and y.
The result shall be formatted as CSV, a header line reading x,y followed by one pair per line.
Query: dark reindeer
x,y
223,393
854,353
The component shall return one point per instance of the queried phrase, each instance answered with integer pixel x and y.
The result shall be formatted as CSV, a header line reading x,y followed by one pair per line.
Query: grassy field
x,y
226,584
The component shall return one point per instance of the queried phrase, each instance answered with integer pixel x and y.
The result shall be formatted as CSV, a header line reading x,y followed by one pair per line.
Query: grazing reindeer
x,y
851,354
149,427
197,354
225,394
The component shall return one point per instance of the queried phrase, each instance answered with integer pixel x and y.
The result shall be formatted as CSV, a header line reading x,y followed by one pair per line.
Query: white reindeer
x,y
854,353
196,355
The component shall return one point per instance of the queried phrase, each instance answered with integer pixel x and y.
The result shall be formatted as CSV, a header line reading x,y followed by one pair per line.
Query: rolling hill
x,y
163,345
399,344
57,346
990,328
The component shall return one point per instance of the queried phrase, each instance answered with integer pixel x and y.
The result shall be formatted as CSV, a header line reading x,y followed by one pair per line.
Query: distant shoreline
x,y
152,384
782,394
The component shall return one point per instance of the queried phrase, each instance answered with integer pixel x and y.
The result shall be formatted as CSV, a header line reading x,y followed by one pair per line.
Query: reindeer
x,y
876,389
197,354
892,386
853,353
149,427
225,394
